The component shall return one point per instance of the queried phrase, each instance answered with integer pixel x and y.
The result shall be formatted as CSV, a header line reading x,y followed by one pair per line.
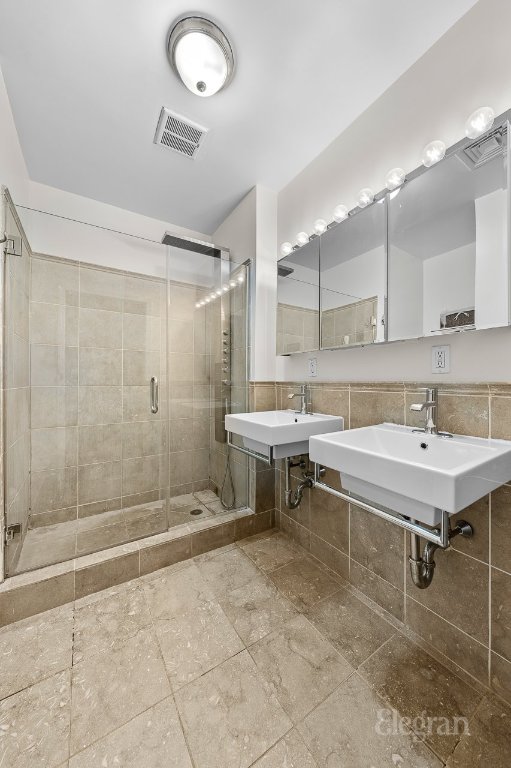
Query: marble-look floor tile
x,y
153,739
206,497
289,752
488,743
271,552
301,666
415,684
256,609
230,715
35,648
175,592
112,687
104,625
228,571
353,629
34,725
304,583
344,732
196,641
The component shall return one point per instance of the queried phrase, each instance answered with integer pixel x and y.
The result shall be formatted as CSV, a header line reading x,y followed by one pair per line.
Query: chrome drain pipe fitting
x,y
422,567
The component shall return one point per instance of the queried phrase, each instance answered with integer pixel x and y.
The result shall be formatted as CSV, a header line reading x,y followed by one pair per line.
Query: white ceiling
x,y
87,79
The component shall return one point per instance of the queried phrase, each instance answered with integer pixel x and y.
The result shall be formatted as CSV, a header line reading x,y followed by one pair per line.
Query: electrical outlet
x,y
441,359
313,366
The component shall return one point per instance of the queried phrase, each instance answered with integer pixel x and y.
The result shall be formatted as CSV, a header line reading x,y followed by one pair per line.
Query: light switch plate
x,y
441,359
313,366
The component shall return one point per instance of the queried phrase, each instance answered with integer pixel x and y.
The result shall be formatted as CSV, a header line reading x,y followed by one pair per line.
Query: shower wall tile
x,y
53,365
141,332
54,406
143,438
181,436
140,475
101,289
100,367
99,481
136,404
53,448
181,369
101,328
143,297
53,489
100,405
140,366
181,336
54,282
53,324
99,444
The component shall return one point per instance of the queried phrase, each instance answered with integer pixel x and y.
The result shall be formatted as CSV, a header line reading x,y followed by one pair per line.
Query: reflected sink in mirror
x,y
287,432
413,473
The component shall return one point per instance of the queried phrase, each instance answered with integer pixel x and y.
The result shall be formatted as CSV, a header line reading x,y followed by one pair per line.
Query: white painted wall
x,y
465,69
448,285
13,171
492,267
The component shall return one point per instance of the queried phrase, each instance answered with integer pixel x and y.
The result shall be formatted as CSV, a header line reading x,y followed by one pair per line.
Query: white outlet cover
x,y
313,366
441,359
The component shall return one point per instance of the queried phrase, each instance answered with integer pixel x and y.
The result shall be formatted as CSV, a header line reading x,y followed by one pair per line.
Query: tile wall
x,y
297,329
465,615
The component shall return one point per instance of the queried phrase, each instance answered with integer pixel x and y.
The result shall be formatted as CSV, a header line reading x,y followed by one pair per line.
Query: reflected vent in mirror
x,y
284,271
485,148
179,134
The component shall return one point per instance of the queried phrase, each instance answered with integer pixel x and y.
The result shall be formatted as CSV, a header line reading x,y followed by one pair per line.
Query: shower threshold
x,y
50,544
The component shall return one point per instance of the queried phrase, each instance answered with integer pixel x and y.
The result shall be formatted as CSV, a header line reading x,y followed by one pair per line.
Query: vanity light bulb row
x,y
479,122
224,289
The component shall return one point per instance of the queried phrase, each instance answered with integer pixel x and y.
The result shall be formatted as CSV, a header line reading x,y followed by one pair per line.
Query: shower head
x,y
188,244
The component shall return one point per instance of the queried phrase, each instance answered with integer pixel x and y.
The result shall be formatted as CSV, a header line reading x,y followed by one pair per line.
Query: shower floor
x,y
52,544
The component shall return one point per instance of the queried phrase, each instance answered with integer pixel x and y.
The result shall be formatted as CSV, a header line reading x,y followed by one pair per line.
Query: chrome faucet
x,y
304,395
430,406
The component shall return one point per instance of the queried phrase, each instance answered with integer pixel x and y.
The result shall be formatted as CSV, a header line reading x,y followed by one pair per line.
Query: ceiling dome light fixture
x,y
479,122
201,55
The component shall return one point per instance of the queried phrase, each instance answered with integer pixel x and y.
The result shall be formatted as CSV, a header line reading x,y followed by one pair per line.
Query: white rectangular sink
x,y
286,431
413,473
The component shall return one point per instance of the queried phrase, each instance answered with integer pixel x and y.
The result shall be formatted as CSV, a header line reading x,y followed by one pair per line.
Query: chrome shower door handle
x,y
154,394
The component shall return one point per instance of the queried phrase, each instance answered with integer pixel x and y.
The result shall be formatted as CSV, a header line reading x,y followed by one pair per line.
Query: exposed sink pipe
x,y
422,567
294,498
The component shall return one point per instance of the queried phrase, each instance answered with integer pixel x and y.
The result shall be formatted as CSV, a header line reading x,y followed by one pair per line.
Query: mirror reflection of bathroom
x,y
298,300
448,260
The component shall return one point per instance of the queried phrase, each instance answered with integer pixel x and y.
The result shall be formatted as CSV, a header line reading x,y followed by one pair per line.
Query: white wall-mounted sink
x,y
288,432
413,473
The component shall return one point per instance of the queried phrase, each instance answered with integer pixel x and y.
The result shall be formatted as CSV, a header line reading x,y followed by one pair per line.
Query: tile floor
x,y
52,544
251,655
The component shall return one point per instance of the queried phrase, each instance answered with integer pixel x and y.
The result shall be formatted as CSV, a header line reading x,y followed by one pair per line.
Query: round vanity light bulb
x,y
433,153
232,284
225,289
365,197
479,122
207,299
320,226
219,292
212,296
302,238
240,279
394,178
340,213
286,248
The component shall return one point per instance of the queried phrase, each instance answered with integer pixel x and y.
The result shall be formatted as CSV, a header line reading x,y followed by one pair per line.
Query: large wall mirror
x,y
448,254
353,279
298,300
429,258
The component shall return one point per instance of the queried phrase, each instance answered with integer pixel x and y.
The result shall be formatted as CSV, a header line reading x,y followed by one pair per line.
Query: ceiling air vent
x,y
486,148
179,134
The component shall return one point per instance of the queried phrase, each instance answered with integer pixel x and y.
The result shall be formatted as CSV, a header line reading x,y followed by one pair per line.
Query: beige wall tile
x,y
369,407
500,676
140,366
182,302
181,368
140,475
377,546
464,414
379,590
100,367
99,443
53,366
143,438
501,613
141,332
143,297
500,528
329,519
99,405
501,417
93,577
54,282
100,328
136,405
54,406
181,336
53,448
100,289
53,489
99,481
53,324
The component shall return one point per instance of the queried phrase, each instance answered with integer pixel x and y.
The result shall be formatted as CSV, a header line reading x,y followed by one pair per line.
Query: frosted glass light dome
x,y
201,55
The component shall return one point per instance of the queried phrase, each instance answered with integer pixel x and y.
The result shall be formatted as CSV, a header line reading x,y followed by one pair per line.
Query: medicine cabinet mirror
x,y
298,300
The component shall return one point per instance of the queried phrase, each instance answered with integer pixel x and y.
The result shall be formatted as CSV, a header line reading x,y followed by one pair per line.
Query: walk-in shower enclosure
x,y
121,356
